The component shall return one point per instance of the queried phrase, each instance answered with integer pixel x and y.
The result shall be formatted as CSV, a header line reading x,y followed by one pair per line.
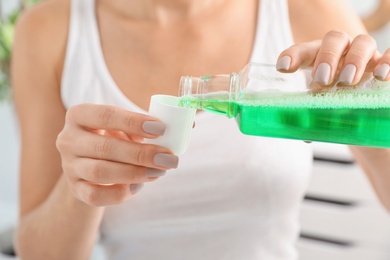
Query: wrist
x,y
71,201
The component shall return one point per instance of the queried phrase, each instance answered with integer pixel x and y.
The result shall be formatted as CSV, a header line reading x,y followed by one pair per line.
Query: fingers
x,y
102,154
93,116
304,54
106,172
336,58
333,46
79,143
382,69
360,58
103,195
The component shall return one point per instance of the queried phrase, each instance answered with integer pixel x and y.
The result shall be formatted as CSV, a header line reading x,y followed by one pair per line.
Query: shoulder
x,y
41,32
46,15
312,19
45,20
37,58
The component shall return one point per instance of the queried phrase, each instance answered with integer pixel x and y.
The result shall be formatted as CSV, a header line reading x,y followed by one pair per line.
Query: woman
x,y
83,74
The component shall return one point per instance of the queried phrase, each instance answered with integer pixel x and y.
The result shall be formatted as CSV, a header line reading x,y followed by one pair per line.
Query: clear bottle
x,y
268,103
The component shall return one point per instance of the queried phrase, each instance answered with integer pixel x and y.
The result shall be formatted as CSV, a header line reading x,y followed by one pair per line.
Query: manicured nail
x,y
166,160
135,188
153,127
152,173
322,75
284,63
382,71
348,74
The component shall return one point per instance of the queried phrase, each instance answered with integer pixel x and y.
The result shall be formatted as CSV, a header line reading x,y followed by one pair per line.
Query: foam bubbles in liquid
x,y
371,94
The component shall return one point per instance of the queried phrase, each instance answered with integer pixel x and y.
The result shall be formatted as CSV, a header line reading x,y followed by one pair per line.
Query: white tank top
x,y
232,197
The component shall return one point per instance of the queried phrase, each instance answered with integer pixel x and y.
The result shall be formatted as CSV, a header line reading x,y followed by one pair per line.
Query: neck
x,y
163,11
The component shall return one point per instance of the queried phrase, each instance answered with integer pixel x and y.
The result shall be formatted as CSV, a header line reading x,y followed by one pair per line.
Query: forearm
x,y
61,228
379,18
376,164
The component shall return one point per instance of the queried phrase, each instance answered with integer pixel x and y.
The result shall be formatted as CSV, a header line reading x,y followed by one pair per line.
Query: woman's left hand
x,y
337,57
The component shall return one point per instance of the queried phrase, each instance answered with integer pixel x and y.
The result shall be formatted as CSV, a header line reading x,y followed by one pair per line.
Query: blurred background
x,y
341,217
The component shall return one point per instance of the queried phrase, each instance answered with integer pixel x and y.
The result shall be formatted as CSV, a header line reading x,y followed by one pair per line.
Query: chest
x,y
146,59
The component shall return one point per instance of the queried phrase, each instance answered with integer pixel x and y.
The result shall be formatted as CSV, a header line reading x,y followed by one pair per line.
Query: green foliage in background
x,y
7,27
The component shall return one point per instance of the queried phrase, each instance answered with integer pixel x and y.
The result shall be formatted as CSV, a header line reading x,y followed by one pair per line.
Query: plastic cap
x,y
178,121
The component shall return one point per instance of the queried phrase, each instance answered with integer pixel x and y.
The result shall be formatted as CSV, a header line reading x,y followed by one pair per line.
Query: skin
x,y
379,18
75,162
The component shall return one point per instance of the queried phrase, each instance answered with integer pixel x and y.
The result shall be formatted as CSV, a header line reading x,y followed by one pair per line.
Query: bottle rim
x,y
185,87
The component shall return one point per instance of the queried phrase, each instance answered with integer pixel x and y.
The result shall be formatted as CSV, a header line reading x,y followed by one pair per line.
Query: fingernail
x,y
153,127
382,71
322,75
152,173
135,188
284,63
166,160
348,74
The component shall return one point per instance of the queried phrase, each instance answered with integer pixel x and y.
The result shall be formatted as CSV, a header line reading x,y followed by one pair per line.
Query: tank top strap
x,y
273,32
82,14
81,17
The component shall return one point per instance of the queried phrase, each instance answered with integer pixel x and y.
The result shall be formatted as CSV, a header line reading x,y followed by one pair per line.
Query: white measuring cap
x,y
178,122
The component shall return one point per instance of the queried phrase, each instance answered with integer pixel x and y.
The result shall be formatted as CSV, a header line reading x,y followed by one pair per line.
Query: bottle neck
x,y
212,93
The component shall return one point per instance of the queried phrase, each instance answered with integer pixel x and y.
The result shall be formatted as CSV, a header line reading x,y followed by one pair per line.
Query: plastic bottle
x,y
268,103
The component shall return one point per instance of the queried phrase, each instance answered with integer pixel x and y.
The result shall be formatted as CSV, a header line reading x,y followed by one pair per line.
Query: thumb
x,y
299,55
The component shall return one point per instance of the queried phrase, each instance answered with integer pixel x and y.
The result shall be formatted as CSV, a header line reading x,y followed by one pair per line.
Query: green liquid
x,y
346,118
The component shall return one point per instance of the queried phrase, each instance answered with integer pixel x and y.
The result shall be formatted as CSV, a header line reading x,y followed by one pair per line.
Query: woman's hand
x,y
337,57
102,153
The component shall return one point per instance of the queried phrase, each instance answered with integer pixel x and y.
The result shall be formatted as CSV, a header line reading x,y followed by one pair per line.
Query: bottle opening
x,y
206,92
185,91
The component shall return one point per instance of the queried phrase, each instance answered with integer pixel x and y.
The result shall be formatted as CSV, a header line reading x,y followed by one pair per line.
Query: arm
x,y
338,50
379,18
51,219
376,164
100,158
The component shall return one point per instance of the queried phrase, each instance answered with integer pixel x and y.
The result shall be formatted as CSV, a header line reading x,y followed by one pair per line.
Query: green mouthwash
x,y
346,115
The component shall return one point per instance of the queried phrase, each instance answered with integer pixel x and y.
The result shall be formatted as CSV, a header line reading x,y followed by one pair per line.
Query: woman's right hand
x,y
103,157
